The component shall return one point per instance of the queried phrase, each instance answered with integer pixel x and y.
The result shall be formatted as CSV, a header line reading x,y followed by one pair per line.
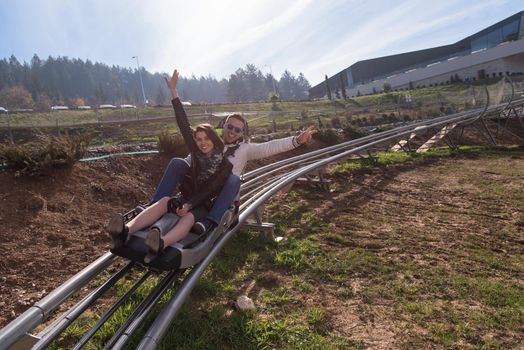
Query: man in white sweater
x,y
240,152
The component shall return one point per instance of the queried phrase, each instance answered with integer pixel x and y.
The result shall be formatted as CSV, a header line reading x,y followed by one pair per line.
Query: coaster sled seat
x,y
180,255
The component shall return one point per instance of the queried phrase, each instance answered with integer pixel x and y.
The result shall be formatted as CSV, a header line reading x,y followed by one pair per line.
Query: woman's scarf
x,y
208,164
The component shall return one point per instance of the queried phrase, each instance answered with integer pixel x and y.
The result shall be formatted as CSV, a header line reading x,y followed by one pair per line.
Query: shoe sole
x,y
153,241
116,225
115,228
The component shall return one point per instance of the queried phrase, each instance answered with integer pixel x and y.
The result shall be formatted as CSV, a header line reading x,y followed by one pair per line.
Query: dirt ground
x,y
53,226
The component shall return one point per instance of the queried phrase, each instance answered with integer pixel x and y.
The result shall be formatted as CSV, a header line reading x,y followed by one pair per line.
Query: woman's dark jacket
x,y
198,193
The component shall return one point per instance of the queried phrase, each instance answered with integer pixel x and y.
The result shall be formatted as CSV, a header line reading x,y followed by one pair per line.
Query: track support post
x,y
267,229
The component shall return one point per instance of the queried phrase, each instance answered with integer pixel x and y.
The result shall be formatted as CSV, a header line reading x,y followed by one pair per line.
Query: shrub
x,y
353,133
335,122
327,136
48,152
170,144
393,118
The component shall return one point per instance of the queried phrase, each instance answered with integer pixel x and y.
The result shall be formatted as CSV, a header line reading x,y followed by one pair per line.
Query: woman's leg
x,y
180,230
149,216
173,175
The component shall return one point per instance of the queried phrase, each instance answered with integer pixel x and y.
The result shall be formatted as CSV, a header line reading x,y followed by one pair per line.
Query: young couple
x,y
211,171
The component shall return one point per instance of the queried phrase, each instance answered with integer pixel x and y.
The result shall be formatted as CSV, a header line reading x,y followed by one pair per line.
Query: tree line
x,y
40,84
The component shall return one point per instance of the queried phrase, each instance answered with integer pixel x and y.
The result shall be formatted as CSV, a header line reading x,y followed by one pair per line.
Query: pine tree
x,y
161,96
64,79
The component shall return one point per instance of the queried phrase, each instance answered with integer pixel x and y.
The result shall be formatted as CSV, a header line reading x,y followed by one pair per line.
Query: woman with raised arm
x,y
208,171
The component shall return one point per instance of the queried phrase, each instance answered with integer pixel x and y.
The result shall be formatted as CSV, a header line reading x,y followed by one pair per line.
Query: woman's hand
x,y
183,210
171,83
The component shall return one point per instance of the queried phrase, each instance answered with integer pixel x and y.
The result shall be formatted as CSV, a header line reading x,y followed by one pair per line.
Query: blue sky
x,y
214,37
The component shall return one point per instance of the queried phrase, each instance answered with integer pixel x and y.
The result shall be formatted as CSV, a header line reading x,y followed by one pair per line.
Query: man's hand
x,y
171,83
306,135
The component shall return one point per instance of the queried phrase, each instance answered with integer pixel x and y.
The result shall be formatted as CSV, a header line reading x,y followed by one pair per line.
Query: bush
x,y
171,145
392,118
352,133
327,136
335,122
48,152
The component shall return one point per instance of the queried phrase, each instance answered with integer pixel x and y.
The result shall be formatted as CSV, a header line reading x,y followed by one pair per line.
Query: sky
x,y
211,37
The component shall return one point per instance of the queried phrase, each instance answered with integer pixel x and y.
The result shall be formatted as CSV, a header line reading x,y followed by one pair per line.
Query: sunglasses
x,y
235,128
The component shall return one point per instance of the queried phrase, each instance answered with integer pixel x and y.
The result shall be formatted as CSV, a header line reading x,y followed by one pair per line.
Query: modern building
x,y
491,52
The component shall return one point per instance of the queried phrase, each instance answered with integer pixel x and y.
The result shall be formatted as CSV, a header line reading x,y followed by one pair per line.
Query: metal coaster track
x,y
259,185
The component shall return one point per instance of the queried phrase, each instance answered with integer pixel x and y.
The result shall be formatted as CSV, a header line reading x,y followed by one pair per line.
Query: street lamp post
x,y
9,127
141,82
274,97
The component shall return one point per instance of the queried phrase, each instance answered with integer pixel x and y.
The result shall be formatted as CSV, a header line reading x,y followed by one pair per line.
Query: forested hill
x,y
73,82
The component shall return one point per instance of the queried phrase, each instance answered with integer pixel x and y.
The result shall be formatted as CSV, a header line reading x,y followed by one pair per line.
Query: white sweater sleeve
x,y
251,151
267,149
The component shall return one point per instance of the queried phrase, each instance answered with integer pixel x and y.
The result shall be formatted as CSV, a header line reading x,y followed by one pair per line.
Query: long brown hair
x,y
211,133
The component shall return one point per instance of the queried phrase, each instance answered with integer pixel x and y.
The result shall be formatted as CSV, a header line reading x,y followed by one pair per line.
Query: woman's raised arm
x,y
171,83
180,113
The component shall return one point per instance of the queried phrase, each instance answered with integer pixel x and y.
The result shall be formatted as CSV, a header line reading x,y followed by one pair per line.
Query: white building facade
x,y
494,51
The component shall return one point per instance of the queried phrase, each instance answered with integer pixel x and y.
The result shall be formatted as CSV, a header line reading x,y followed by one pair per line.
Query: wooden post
x,y
9,128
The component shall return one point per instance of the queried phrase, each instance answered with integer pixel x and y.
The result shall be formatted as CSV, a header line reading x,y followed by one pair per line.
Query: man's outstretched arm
x,y
270,148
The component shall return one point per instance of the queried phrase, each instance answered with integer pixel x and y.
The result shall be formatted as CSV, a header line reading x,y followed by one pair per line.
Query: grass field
x,y
264,117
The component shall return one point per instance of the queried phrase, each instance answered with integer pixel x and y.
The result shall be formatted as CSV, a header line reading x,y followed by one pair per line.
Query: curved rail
x,y
42,309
